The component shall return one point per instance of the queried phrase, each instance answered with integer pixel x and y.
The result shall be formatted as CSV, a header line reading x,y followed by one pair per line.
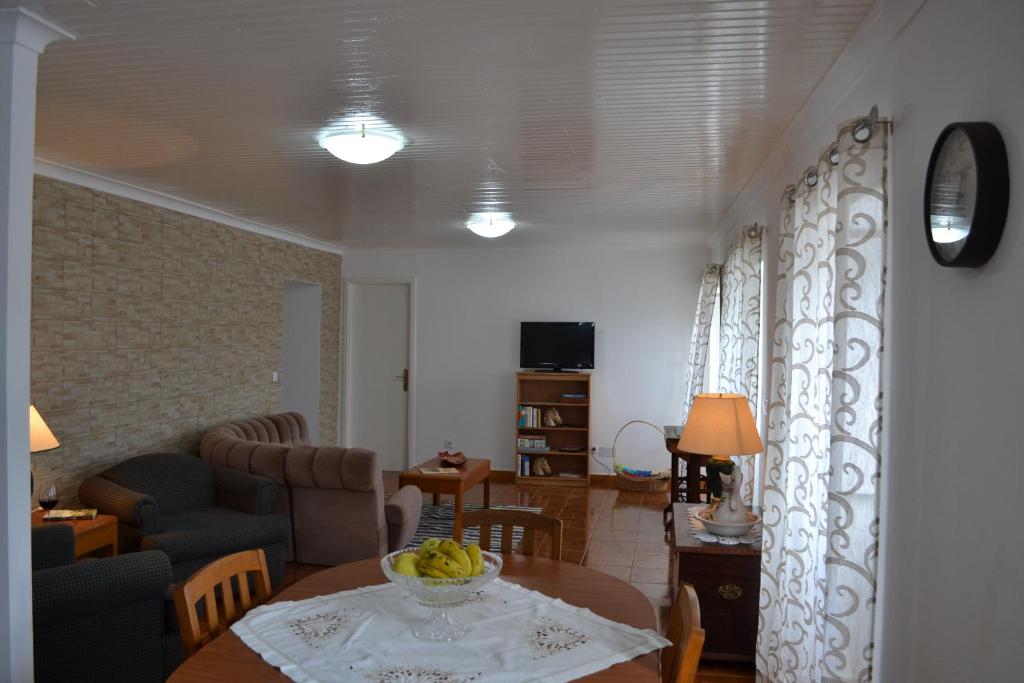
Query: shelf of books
x,y
553,428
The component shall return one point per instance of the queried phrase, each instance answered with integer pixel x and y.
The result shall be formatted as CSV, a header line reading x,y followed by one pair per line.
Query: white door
x,y
377,363
300,353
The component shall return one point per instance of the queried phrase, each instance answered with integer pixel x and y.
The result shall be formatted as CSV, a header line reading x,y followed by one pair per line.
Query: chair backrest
x,y
679,662
221,577
508,519
177,482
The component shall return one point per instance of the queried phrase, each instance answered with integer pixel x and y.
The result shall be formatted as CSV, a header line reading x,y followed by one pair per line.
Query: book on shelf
x,y
69,515
532,443
524,465
529,417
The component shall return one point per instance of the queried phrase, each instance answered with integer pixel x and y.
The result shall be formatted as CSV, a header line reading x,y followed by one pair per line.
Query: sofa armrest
x,y
331,467
244,492
53,545
402,513
62,594
130,507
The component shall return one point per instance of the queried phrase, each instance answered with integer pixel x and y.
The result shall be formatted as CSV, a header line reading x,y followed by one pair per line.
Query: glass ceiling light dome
x,y
490,224
361,145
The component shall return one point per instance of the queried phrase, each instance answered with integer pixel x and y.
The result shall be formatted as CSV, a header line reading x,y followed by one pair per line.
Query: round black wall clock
x,y
966,194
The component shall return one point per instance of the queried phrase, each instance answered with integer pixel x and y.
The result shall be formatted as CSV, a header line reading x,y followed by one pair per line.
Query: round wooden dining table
x,y
227,658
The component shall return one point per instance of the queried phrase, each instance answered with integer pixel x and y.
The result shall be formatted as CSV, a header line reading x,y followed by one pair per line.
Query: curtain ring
x,y
754,230
833,155
811,177
790,193
866,126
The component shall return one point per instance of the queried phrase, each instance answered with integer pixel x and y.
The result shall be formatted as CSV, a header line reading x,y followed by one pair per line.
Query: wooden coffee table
x,y
462,479
96,537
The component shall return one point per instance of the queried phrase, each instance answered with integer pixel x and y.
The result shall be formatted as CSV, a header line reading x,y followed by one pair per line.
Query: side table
x,y
96,537
461,479
727,579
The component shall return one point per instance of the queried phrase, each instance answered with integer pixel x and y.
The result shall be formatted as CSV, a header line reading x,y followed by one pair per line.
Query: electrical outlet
x,y
603,452
449,444
273,376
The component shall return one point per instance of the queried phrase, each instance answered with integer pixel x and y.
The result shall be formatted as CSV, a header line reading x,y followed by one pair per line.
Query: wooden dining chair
x,y
531,522
679,661
219,579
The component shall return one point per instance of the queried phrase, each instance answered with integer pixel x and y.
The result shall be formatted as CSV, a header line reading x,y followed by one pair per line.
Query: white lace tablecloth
x,y
702,534
517,635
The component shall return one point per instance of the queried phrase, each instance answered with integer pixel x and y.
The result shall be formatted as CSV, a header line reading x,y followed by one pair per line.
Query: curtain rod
x,y
863,129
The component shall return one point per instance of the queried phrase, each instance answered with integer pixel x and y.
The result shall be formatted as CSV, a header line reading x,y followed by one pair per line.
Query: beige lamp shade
x,y
40,438
720,424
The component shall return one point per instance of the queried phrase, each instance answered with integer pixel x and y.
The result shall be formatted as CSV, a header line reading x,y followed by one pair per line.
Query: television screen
x,y
556,346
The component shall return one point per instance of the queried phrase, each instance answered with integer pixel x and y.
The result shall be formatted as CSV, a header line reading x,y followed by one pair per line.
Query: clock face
x,y
954,193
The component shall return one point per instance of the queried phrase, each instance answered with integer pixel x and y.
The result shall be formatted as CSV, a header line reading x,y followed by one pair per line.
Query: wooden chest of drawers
x,y
727,579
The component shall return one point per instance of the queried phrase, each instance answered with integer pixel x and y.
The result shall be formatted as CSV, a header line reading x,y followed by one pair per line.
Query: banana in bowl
x,y
441,574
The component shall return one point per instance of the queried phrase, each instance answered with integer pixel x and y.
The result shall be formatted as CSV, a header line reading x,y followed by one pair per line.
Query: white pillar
x,y
23,36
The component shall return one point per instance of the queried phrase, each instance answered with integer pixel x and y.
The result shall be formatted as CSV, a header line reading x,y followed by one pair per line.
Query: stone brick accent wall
x,y
150,326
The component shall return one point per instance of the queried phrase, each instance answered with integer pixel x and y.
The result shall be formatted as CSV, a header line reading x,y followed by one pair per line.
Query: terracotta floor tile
x,y
657,549
648,575
608,534
657,593
652,561
621,547
613,559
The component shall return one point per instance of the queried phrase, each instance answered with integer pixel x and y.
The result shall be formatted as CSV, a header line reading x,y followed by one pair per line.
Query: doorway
x,y
379,368
300,353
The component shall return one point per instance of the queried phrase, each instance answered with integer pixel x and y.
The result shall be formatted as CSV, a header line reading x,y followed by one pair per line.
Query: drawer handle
x,y
730,591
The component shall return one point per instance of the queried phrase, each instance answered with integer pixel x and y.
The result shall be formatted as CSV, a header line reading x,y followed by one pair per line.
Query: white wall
x,y
300,353
952,546
468,309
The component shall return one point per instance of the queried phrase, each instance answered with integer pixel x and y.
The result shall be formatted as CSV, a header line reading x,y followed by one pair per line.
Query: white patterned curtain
x,y
740,343
699,337
821,514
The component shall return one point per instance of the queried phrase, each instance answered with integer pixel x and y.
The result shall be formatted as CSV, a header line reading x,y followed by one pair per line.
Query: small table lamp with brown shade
x,y
40,438
721,425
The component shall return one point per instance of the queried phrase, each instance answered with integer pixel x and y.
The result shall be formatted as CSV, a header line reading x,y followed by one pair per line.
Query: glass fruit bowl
x,y
441,594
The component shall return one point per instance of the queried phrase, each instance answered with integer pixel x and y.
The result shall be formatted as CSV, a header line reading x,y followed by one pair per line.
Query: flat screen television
x,y
556,346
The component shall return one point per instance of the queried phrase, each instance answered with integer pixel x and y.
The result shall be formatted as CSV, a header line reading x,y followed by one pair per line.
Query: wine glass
x,y
48,499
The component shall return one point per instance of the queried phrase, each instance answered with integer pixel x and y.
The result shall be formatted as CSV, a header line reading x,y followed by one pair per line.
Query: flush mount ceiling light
x,y
362,145
490,224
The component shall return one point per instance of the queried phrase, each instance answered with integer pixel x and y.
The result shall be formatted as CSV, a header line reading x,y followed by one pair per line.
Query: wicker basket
x,y
638,484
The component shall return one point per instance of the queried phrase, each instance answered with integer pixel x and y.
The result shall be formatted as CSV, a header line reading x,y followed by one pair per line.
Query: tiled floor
x,y
612,531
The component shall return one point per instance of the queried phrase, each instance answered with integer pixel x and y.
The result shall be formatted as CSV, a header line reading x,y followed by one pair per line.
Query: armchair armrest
x,y
62,594
130,507
244,492
53,545
402,512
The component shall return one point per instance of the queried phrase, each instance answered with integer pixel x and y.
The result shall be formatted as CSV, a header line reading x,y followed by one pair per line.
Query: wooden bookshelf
x,y
544,390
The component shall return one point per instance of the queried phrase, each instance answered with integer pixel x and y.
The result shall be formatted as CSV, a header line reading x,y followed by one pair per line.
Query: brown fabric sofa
x,y
334,496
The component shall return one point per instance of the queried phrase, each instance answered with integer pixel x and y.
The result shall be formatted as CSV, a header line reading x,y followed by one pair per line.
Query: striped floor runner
x,y
439,522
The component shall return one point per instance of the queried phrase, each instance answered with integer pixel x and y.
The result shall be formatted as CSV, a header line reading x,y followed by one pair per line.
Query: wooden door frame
x,y
344,428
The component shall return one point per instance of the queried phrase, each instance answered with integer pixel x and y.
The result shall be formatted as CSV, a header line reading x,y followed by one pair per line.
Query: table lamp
x,y
721,425
40,437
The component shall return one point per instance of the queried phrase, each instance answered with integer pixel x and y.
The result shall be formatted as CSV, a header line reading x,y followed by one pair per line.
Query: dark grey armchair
x,y
98,620
192,511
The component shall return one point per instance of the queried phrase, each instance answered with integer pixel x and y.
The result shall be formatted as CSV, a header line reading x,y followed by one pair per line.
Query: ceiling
x,y
593,122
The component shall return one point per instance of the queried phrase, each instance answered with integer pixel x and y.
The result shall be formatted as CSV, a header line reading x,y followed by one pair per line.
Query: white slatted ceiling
x,y
599,122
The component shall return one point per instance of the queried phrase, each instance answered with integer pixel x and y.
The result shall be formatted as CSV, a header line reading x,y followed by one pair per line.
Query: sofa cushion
x,y
215,531
177,482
